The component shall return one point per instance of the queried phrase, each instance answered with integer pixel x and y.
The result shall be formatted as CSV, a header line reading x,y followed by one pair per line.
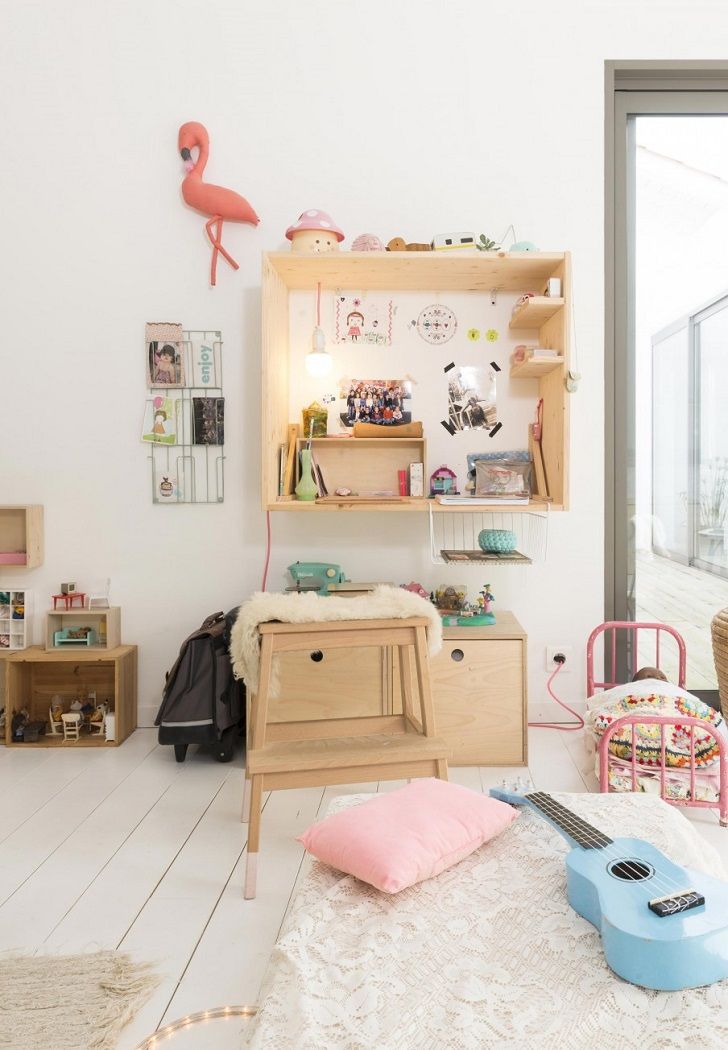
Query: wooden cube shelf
x,y
105,624
15,618
21,536
33,677
352,459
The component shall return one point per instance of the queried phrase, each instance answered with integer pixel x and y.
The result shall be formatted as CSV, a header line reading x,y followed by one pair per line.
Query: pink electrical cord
x,y
267,552
556,725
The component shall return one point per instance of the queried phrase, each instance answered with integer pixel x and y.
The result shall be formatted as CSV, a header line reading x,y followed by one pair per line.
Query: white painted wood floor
x,y
127,849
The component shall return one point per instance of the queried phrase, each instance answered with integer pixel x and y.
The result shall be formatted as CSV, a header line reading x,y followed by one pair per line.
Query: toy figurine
x,y
398,244
486,599
367,242
444,482
314,231
416,588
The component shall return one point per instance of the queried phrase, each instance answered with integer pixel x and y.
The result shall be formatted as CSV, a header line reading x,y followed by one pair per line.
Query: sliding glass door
x,y
668,377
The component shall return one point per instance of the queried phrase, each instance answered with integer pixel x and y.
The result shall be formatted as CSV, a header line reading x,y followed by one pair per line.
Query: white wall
x,y
400,118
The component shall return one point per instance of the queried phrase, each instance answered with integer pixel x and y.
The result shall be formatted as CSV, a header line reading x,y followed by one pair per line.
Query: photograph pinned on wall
x,y
382,401
165,354
208,420
363,319
160,421
471,395
436,324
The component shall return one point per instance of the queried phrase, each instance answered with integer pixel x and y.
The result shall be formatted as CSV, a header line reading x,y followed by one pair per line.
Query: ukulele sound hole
x,y
631,870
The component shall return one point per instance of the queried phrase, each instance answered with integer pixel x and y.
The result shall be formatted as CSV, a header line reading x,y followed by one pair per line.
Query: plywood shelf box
x,y
105,624
534,369
21,535
34,677
368,463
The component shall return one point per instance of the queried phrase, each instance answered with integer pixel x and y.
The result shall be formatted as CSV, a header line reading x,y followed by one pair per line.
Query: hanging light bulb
x,y
318,360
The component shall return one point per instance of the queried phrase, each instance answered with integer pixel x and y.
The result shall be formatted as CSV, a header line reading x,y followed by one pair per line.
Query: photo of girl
x,y
378,401
165,364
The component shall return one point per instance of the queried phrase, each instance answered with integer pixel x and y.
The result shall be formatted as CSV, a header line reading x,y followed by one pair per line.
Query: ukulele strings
x,y
663,882
575,826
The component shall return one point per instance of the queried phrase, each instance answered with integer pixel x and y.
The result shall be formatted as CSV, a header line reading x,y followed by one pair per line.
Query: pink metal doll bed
x,y
610,632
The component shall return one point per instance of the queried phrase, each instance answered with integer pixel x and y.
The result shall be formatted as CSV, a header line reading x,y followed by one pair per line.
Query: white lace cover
x,y
488,954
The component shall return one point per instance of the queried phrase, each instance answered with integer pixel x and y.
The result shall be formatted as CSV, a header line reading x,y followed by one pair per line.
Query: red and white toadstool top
x,y
314,231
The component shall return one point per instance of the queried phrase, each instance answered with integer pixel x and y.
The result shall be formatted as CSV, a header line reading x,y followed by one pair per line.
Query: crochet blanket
x,y
384,603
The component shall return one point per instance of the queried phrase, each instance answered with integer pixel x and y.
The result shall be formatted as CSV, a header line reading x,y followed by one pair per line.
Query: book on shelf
x,y
282,452
539,353
481,501
318,478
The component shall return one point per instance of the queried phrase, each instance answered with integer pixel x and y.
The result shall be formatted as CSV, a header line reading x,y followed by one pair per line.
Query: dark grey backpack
x,y
202,703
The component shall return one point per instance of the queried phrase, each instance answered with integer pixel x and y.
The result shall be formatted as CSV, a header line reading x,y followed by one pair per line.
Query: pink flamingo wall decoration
x,y
216,201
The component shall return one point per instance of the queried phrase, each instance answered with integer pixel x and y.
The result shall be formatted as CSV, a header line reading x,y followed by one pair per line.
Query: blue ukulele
x,y
662,926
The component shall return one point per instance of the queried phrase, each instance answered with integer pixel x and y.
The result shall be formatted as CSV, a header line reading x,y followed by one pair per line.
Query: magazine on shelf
x,y
481,501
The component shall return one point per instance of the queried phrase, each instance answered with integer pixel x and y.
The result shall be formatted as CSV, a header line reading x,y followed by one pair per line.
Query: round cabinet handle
x,y
317,656
457,655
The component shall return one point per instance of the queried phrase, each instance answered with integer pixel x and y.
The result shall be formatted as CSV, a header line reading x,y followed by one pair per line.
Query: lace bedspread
x,y
486,955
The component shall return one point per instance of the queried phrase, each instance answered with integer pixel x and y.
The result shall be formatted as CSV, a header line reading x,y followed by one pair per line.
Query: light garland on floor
x,y
217,1013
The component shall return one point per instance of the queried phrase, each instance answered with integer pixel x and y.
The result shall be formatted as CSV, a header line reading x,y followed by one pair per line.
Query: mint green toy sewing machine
x,y
315,576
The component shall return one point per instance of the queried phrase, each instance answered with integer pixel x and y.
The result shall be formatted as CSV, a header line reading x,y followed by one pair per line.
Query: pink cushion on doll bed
x,y
408,835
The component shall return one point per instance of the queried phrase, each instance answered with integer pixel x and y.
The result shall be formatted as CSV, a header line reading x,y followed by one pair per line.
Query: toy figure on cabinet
x,y
444,482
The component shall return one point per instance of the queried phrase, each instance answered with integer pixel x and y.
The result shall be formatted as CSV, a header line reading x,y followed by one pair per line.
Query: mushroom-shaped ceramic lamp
x,y
314,231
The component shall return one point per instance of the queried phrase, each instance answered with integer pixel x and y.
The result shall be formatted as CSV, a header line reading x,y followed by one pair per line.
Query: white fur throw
x,y
384,603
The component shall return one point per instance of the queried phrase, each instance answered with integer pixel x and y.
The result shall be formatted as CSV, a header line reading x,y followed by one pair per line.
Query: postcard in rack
x,y
208,420
160,421
165,355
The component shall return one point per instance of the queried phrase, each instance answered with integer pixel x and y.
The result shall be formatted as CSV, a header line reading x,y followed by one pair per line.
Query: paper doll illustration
x,y
363,319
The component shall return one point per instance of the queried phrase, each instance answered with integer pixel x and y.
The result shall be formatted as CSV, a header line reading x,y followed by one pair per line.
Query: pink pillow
x,y
405,836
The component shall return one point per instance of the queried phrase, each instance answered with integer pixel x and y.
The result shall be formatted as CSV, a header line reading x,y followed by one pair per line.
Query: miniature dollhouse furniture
x,y
345,749
70,599
71,725
98,595
618,634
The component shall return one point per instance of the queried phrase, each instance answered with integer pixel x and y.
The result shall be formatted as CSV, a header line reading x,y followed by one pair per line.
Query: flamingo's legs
x,y
216,242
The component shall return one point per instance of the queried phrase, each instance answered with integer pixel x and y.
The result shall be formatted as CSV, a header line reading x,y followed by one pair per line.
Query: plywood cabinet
x,y
478,684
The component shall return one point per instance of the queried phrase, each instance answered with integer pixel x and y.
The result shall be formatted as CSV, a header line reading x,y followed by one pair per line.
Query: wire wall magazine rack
x,y
454,537
191,469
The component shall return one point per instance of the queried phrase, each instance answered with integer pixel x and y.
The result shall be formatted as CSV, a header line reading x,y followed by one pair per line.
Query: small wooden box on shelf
x,y
34,677
484,272
364,465
104,624
21,535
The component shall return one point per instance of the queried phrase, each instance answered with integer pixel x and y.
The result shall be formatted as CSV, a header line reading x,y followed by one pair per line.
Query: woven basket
x,y
719,633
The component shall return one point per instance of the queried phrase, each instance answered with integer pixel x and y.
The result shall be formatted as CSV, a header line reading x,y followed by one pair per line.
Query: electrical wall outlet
x,y
552,650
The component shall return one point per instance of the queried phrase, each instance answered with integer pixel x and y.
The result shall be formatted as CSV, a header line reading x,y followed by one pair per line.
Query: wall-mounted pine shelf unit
x,y
436,272
21,535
